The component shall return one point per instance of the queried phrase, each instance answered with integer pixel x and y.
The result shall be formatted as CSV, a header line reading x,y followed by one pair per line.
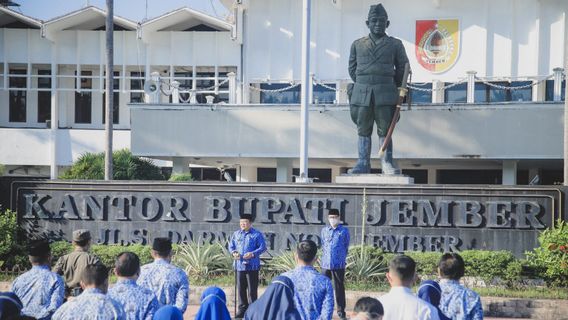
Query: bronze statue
x,y
376,66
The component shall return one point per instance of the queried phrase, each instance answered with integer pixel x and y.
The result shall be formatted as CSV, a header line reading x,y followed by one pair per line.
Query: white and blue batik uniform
x,y
313,292
335,244
92,304
41,292
168,282
458,302
138,303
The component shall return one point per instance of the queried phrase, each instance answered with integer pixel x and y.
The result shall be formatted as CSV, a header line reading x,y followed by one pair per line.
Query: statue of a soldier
x,y
376,65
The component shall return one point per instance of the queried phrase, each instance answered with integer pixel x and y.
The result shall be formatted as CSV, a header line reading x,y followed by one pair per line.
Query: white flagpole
x,y
306,10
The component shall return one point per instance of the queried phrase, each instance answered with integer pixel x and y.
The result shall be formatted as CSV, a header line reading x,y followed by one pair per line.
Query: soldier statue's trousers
x,y
366,117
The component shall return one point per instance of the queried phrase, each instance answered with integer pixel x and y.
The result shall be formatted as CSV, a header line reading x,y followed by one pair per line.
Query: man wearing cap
x,y
335,244
40,290
93,302
168,282
71,265
246,246
376,66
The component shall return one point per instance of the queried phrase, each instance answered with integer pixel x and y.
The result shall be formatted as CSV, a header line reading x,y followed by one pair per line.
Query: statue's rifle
x,y
401,94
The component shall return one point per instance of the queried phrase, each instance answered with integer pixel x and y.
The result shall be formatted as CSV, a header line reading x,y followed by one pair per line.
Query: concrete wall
x,y
498,131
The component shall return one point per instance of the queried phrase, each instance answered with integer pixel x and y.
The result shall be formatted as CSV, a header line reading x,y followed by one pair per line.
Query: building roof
x,y
185,19
87,18
12,19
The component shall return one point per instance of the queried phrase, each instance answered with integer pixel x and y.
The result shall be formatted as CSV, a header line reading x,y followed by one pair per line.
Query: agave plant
x,y
202,261
364,264
283,262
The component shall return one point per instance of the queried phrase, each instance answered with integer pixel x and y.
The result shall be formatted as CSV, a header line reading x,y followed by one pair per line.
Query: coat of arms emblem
x,y
437,44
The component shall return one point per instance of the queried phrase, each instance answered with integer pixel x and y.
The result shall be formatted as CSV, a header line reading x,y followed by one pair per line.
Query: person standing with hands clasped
x,y
335,244
246,246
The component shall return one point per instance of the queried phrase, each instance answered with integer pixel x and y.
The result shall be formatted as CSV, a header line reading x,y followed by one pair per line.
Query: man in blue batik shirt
x,y
168,282
139,303
40,290
313,293
457,301
246,246
93,302
335,243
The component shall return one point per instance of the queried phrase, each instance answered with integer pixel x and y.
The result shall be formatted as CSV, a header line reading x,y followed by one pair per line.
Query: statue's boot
x,y
363,164
387,164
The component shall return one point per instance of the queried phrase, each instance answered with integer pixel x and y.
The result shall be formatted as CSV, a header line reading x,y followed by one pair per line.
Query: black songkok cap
x,y
38,248
247,216
162,244
378,9
333,212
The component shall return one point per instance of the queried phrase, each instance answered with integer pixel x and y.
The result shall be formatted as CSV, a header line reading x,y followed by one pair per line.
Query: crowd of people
x,y
78,285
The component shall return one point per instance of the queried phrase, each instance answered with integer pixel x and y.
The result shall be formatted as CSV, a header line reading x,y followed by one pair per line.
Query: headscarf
x,y
431,292
10,306
168,313
213,305
277,302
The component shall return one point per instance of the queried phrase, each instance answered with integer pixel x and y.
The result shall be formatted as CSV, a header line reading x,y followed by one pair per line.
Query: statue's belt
x,y
373,79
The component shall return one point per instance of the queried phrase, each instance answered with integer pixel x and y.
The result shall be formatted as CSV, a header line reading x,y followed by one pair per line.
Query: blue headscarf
x,y
277,302
10,306
213,305
431,292
168,313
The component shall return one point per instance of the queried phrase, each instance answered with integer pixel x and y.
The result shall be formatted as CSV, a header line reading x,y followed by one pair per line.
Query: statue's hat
x,y
378,9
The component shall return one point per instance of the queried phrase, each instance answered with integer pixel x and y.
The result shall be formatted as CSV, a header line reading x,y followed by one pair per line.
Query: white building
x,y
490,135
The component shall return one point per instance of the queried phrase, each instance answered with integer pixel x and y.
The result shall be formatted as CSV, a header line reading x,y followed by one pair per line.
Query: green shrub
x,y
426,262
201,261
491,264
107,253
90,166
550,259
12,252
59,249
178,177
365,263
283,262
2,169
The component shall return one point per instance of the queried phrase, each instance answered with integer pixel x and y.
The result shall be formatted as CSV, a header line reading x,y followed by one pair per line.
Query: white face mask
x,y
334,222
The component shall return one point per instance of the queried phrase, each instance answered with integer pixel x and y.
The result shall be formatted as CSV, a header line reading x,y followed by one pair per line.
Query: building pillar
x,y
284,170
432,176
54,121
509,172
438,91
335,171
180,165
247,174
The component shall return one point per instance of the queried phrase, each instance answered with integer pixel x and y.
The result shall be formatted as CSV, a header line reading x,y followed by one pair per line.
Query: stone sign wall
x,y
418,218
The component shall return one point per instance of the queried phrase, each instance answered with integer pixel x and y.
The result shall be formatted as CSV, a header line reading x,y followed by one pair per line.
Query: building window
x,y
266,174
223,96
319,175
43,97
290,96
83,99
324,95
455,94
524,94
469,176
185,80
421,97
17,112
204,80
137,84
115,99
550,90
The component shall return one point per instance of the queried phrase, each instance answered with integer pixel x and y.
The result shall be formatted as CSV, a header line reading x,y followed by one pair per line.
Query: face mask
x,y
333,222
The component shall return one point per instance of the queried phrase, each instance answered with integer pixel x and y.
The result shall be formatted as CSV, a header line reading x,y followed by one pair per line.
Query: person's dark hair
x,y
94,274
403,267
369,305
246,217
451,266
333,212
82,243
39,259
127,264
307,251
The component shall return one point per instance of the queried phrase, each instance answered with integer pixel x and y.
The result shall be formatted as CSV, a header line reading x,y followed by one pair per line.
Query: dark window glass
x,y
44,97
455,94
185,84
421,97
470,176
83,99
420,175
196,174
137,84
319,175
550,90
115,99
521,94
324,95
205,84
551,176
266,174
211,174
224,87
290,96
481,94
17,112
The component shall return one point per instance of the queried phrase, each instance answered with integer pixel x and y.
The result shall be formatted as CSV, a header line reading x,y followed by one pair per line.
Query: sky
x,y
131,9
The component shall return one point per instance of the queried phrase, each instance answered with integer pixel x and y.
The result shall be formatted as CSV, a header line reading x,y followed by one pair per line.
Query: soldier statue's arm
x,y
353,62
400,60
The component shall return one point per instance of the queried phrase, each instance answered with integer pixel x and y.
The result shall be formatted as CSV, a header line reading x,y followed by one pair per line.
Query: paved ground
x,y
192,311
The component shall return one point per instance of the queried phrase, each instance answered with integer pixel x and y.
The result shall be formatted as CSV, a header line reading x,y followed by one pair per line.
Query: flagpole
x,y
305,73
